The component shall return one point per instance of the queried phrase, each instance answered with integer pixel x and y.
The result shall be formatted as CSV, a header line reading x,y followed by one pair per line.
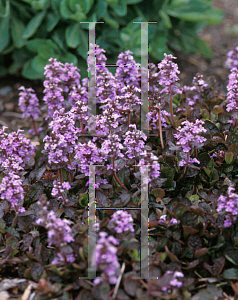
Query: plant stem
x,y
60,176
70,174
171,106
81,124
117,179
160,132
34,127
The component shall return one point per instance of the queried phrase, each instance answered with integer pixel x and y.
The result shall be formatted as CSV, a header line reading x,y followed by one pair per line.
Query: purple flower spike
x,y
60,144
127,72
232,60
232,87
105,258
168,75
15,150
53,90
28,103
134,142
11,189
188,137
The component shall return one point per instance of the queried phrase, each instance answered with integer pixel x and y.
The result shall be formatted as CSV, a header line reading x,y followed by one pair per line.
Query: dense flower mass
x,y
122,221
15,150
232,87
11,189
105,258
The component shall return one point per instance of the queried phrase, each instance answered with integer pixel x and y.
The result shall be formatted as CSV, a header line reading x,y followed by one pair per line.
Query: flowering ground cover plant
x,y
191,154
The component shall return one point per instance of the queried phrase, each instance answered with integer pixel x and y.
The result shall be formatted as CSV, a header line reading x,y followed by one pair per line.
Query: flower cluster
x,y
60,144
59,231
128,98
105,258
232,60
199,83
174,282
122,221
188,138
127,72
53,87
28,103
111,149
60,188
168,75
85,155
134,142
11,189
163,218
15,150
229,202
232,87
70,77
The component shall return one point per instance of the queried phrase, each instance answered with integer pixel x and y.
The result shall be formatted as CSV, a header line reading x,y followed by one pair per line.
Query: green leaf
x,y
133,1
196,11
29,72
101,8
169,174
38,64
84,4
194,198
217,109
17,29
4,33
231,273
232,255
120,8
58,36
72,35
64,10
110,21
83,48
33,45
69,57
229,157
203,48
7,10
33,25
165,19
52,21
39,4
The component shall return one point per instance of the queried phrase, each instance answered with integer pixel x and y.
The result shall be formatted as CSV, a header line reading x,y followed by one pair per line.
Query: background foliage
x,y
32,31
